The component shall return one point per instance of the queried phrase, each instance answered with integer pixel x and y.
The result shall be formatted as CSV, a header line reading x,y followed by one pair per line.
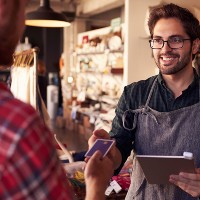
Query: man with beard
x,y
161,115
29,165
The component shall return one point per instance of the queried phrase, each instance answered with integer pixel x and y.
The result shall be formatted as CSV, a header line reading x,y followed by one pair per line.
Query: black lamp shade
x,y
44,16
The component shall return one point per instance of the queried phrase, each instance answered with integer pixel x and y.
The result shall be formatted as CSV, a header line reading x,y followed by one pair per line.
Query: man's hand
x,y
188,182
113,153
98,134
98,172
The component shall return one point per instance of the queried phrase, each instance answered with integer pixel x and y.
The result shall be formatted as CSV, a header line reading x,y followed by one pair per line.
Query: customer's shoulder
x,y
11,104
22,106
14,110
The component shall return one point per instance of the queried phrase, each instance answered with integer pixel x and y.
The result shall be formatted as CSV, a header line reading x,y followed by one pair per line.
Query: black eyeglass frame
x,y
167,41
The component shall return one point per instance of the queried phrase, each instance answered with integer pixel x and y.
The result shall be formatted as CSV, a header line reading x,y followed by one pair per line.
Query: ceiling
x,y
56,5
80,7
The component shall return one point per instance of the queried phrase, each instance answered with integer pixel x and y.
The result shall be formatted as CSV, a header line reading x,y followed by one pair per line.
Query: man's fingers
x,y
86,159
97,155
101,133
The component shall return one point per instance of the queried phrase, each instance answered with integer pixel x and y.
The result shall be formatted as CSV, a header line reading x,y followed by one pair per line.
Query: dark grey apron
x,y
164,133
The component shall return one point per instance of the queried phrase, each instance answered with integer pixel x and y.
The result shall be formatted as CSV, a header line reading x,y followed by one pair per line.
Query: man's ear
x,y
195,46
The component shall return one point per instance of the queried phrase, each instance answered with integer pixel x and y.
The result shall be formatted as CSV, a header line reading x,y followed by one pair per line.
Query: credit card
x,y
103,145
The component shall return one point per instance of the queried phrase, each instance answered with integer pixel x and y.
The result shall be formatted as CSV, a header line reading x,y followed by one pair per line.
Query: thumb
x,y
101,133
97,155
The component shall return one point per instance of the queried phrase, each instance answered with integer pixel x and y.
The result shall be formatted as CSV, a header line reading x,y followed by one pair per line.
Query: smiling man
x,y
161,115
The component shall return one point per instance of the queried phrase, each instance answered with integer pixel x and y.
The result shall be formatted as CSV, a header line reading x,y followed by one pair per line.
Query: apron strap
x,y
151,92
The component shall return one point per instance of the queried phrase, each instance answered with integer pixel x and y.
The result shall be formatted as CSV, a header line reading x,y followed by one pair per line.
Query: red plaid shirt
x,y
29,165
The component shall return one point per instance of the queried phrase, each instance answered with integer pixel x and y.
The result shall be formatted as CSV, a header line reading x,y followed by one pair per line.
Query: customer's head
x,y
189,22
11,27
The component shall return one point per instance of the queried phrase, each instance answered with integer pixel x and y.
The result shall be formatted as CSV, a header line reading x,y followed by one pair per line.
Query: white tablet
x,y
157,169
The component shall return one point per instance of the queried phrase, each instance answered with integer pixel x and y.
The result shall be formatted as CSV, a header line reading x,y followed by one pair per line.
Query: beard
x,y
182,62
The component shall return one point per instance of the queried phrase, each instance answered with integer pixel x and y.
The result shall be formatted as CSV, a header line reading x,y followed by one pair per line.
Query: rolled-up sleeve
x,y
124,139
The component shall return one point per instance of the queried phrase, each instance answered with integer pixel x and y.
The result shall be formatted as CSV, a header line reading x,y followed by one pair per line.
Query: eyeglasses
x,y
173,43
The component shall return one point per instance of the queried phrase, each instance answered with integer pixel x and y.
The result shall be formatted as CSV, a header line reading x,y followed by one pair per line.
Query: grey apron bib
x,y
163,133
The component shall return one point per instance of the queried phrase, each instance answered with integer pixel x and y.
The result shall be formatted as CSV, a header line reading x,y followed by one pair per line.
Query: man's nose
x,y
166,46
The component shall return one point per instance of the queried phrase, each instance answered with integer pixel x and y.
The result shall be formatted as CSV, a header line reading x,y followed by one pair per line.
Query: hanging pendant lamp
x,y
45,16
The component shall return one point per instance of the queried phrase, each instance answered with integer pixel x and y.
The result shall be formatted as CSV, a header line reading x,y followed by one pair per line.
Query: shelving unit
x,y
100,52
98,61
97,71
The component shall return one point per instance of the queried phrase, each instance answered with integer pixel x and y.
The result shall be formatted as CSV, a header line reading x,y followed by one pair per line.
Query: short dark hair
x,y
189,21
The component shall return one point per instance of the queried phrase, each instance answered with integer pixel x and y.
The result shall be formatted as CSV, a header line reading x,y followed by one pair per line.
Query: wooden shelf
x,y
117,71
99,52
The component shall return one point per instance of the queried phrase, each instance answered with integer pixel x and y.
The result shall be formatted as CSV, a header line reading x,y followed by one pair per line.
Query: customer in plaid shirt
x,y
29,166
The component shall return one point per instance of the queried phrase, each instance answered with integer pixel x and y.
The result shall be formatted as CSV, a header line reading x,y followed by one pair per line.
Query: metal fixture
x,y
45,16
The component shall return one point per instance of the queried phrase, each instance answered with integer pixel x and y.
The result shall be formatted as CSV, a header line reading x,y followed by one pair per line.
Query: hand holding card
x,y
103,145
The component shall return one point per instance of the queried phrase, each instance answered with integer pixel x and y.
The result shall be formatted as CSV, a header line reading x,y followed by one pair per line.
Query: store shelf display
x,y
98,65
